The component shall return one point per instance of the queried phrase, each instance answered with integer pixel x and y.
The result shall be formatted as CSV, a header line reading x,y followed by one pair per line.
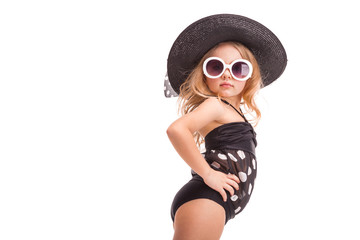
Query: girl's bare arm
x,y
180,134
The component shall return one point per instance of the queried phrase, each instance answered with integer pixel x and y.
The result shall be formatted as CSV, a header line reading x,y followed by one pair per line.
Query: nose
x,y
226,74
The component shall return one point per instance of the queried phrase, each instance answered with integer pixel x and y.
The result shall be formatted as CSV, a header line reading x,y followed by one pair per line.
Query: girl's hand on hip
x,y
220,182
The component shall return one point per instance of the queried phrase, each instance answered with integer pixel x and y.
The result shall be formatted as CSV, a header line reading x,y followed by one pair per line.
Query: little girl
x,y
217,65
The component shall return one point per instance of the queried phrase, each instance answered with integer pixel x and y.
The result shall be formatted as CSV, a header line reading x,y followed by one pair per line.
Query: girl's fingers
x,y
229,189
223,194
220,182
233,184
234,177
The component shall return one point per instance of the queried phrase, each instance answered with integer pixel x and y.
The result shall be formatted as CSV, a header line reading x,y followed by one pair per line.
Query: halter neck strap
x,y
239,112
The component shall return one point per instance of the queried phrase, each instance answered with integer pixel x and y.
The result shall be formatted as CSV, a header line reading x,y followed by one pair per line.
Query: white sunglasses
x,y
240,69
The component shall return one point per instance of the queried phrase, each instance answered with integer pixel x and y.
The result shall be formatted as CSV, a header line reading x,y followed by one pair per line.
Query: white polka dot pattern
x,y
250,188
222,156
242,176
232,157
215,164
238,161
241,154
168,90
249,171
234,198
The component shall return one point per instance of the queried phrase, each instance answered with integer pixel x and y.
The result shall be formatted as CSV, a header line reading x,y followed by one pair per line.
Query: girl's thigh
x,y
199,219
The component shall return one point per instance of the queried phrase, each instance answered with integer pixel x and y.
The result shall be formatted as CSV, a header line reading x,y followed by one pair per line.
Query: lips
x,y
226,85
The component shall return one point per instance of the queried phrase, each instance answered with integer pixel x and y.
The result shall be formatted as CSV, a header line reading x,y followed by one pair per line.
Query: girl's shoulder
x,y
213,102
213,105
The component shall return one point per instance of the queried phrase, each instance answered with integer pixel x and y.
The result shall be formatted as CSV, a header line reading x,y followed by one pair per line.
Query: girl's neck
x,y
235,101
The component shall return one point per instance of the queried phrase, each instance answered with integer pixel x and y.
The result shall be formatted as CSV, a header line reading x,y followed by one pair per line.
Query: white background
x,y
83,148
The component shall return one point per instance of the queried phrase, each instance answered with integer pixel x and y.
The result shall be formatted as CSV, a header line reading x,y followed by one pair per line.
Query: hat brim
x,y
202,35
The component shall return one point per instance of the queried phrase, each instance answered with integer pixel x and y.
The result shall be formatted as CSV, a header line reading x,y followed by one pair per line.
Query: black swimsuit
x,y
230,148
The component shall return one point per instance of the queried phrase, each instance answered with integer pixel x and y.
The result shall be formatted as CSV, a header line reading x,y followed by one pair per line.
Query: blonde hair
x,y
195,91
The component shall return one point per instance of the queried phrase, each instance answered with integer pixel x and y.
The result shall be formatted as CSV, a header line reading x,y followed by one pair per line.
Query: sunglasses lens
x,y
214,67
240,69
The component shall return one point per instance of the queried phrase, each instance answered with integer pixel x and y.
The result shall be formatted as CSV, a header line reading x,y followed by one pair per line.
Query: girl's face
x,y
225,85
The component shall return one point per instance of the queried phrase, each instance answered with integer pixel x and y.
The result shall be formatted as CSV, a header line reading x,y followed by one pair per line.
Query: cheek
x,y
210,83
240,86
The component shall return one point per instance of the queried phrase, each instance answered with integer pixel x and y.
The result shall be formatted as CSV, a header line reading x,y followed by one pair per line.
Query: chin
x,y
227,94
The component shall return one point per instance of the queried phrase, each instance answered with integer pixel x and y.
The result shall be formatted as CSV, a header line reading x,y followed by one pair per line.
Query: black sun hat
x,y
202,35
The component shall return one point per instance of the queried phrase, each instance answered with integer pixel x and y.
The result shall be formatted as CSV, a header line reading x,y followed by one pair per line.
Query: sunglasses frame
x,y
228,66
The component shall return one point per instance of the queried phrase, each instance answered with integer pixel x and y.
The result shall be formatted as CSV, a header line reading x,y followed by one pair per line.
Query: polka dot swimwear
x,y
230,148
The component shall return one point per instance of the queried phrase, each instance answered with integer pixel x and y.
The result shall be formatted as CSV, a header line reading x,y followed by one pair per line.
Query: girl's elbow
x,y
174,130
171,130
